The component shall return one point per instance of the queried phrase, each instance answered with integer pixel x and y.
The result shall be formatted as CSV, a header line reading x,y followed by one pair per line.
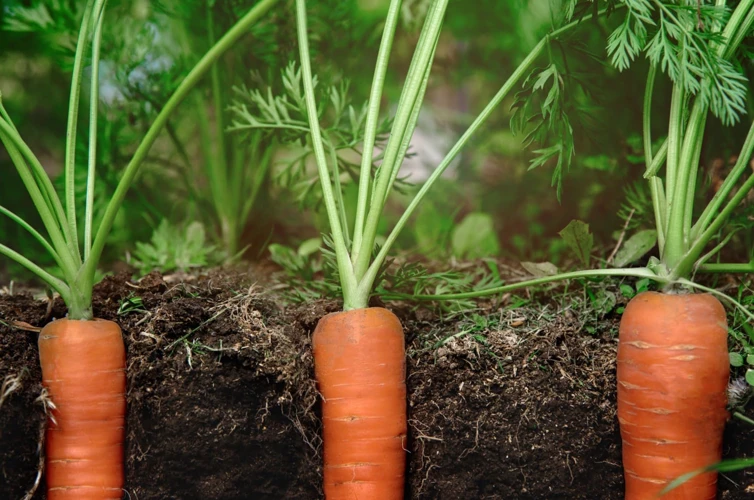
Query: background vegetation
x,y
500,199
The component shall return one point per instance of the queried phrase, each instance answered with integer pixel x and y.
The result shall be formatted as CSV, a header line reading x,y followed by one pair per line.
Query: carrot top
x,y
354,234
78,260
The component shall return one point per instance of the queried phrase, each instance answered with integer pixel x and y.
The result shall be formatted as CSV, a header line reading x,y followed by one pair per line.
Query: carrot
x,y
672,379
360,366
84,371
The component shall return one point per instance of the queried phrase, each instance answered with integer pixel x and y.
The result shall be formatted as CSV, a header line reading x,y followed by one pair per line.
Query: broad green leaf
x,y
750,359
309,246
627,291
540,269
750,376
635,247
642,285
735,359
475,237
576,234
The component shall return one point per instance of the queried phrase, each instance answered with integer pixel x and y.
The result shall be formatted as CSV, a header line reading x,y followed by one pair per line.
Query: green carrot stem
x,y
409,96
192,79
372,118
57,284
345,267
93,112
591,273
69,163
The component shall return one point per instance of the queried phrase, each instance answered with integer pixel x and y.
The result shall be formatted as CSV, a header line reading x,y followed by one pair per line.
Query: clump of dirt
x,y
222,405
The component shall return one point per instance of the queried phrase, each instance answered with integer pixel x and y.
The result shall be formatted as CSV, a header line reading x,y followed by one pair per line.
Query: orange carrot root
x,y
83,369
359,362
672,378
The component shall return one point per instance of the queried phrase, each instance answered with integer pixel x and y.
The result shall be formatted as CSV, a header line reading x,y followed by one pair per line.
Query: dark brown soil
x,y
512,403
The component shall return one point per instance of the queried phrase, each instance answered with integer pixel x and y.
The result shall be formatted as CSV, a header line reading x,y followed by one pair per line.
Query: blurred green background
x,y
491,190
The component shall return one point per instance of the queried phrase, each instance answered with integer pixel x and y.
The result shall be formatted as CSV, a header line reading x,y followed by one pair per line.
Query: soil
x,y
512,403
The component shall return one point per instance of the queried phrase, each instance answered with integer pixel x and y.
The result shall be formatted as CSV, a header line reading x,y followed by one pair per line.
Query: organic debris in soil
x,y
221,402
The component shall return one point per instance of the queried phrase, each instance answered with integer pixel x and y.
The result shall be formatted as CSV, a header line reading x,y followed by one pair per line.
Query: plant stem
x,y
743,418
412,121
679,219
738,26
338,192
501,94
50,202
366,283
373,114
686,264
192,79
654,185
722,194
219,164
73,116
41,239
57,285
727,268
638,272
261,167
401,128
675,138
702,260
682,245
93,112
19,152
345,267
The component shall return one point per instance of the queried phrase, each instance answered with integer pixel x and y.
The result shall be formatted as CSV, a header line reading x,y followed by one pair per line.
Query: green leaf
x,y
540,269
577,236
309,247
750,359
475,237
604,302
724,466
635,247
627,291
736,359
750,376
175,248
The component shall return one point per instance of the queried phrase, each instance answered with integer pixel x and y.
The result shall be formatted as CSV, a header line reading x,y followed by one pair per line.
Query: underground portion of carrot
x,y
83,369
672,379
360,366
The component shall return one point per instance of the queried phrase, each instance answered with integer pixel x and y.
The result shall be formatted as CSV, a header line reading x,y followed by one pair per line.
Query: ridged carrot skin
x,y
360,366
673,374
84,371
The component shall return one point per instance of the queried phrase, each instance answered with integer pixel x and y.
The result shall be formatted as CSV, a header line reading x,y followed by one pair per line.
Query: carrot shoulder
x,y
672,378
83,369
359,362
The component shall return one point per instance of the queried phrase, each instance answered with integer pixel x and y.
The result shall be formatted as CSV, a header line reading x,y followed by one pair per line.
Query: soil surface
x,y
511,402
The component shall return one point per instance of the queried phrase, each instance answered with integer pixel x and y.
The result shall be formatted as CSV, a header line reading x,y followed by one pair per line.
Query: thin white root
x,y
11,384
47,405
